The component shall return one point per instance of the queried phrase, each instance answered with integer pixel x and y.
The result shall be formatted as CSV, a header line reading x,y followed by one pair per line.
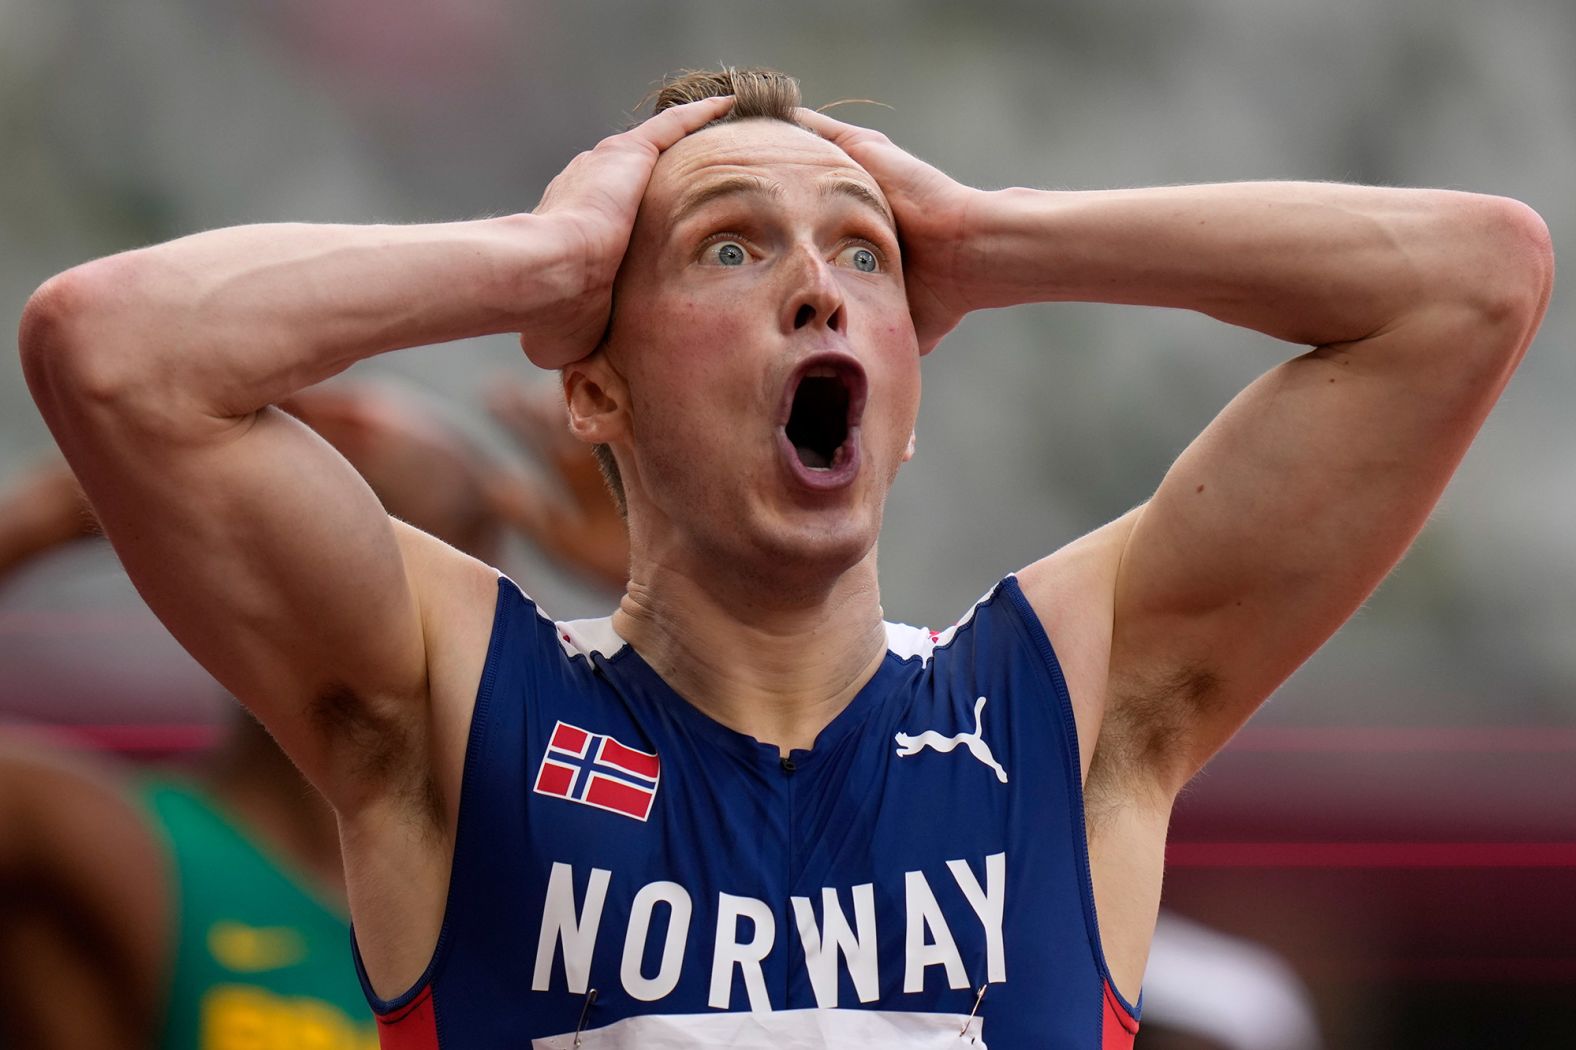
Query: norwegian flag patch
x,y
593,769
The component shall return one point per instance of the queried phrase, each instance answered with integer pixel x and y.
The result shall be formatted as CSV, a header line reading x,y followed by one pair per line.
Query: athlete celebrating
x,y
721,816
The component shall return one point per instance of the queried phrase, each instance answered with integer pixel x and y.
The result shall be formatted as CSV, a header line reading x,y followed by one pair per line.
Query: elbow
x,y
46,320
68,356
1487,284
46,339
1514,274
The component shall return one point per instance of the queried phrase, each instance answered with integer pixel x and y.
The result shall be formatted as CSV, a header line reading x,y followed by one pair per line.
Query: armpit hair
x,y
383,751
1143,737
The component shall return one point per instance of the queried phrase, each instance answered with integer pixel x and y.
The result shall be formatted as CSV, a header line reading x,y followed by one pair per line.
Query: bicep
x,y
1280,519
268,557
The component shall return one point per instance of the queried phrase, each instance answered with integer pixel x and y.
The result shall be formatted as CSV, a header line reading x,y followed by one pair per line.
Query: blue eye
x,y
727,253
860,258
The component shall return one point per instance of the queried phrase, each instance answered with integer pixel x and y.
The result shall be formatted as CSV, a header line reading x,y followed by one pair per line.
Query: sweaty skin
x,y
155,370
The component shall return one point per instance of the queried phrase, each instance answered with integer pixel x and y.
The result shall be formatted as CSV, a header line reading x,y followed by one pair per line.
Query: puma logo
x,y
912,745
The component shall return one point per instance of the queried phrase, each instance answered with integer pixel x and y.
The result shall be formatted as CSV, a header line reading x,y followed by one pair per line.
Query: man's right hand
x,y
592,204
262,550
357,640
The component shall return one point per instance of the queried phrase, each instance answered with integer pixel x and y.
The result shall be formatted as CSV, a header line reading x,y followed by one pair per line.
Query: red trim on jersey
x,y
412,1027
1117,1027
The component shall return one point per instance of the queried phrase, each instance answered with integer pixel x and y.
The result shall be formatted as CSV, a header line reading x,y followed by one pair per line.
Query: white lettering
x,y
990,904
747,957
919,952
821,952
672,965
561,923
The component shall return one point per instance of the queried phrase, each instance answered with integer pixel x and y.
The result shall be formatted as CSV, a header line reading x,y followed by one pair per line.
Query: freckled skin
x,y
705,351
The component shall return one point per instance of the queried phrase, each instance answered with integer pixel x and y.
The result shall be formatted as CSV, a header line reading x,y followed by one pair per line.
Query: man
x,y
742,811
205,908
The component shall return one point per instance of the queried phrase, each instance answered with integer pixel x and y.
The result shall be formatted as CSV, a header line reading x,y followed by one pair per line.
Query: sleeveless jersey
x,y
630,873
260,963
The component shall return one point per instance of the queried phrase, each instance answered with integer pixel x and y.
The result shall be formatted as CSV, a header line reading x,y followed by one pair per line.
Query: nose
x,y
814,297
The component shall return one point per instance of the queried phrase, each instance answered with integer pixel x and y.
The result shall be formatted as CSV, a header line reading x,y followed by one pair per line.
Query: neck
x,y
761,661
259,785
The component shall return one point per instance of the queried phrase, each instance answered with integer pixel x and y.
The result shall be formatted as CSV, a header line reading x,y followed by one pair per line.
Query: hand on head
x,y
592,205
932,212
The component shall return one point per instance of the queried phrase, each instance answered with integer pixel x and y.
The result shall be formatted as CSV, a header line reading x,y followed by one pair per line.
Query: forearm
x,y
1312,263
229,321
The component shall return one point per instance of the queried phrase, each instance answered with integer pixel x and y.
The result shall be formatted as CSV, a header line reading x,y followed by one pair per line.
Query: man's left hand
x,y
933,215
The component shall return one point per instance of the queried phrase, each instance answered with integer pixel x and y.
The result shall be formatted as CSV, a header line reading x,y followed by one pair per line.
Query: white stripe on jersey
x,y
906,642
596,636
779,1030
587,637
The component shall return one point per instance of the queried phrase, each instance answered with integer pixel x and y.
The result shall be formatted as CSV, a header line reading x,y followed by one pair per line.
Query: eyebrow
x,y
754,185
732,186
861,193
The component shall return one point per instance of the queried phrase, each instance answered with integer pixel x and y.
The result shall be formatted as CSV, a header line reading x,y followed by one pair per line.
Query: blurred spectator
x,y
576,527
1204,990
207,908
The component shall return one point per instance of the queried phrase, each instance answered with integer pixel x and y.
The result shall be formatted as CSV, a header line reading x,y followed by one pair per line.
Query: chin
x,y
811,547
774,532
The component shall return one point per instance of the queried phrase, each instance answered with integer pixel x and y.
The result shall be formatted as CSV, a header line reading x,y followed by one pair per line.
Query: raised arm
x,y
1289,509
256,544
1294,503
1177,620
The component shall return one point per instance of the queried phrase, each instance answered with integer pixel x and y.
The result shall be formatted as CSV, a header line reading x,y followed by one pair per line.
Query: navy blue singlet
x,y
630,873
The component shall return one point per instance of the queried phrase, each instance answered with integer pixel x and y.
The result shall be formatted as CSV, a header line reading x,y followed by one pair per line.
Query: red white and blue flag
x,y
596,770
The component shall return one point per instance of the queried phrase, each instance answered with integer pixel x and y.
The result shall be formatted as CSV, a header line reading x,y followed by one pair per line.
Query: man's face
x,y
764,339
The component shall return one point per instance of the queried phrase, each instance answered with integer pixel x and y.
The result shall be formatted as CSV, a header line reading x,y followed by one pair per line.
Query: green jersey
x,y
260,963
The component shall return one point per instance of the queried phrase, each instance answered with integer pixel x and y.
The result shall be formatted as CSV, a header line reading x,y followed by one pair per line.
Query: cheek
x,y
690,379
685,341
897,359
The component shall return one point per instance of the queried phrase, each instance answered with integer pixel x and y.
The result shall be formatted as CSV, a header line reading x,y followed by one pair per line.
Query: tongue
x,y
811,458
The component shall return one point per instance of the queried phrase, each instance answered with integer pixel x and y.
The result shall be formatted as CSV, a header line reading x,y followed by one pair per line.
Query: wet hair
x,y
759,94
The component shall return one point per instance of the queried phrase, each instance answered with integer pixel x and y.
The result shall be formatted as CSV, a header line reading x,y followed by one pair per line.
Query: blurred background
x,y
1398,824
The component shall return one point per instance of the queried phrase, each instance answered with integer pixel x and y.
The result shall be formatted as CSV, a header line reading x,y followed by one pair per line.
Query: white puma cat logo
x,y
975,742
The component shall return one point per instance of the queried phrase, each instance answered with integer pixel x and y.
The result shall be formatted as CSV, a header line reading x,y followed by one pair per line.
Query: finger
x,y
827,127
672,124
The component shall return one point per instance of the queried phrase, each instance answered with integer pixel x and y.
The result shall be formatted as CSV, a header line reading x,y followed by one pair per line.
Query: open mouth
x,y
826,401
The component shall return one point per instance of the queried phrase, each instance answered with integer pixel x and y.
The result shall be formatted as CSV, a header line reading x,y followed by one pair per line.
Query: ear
x,y
597,398
908,453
